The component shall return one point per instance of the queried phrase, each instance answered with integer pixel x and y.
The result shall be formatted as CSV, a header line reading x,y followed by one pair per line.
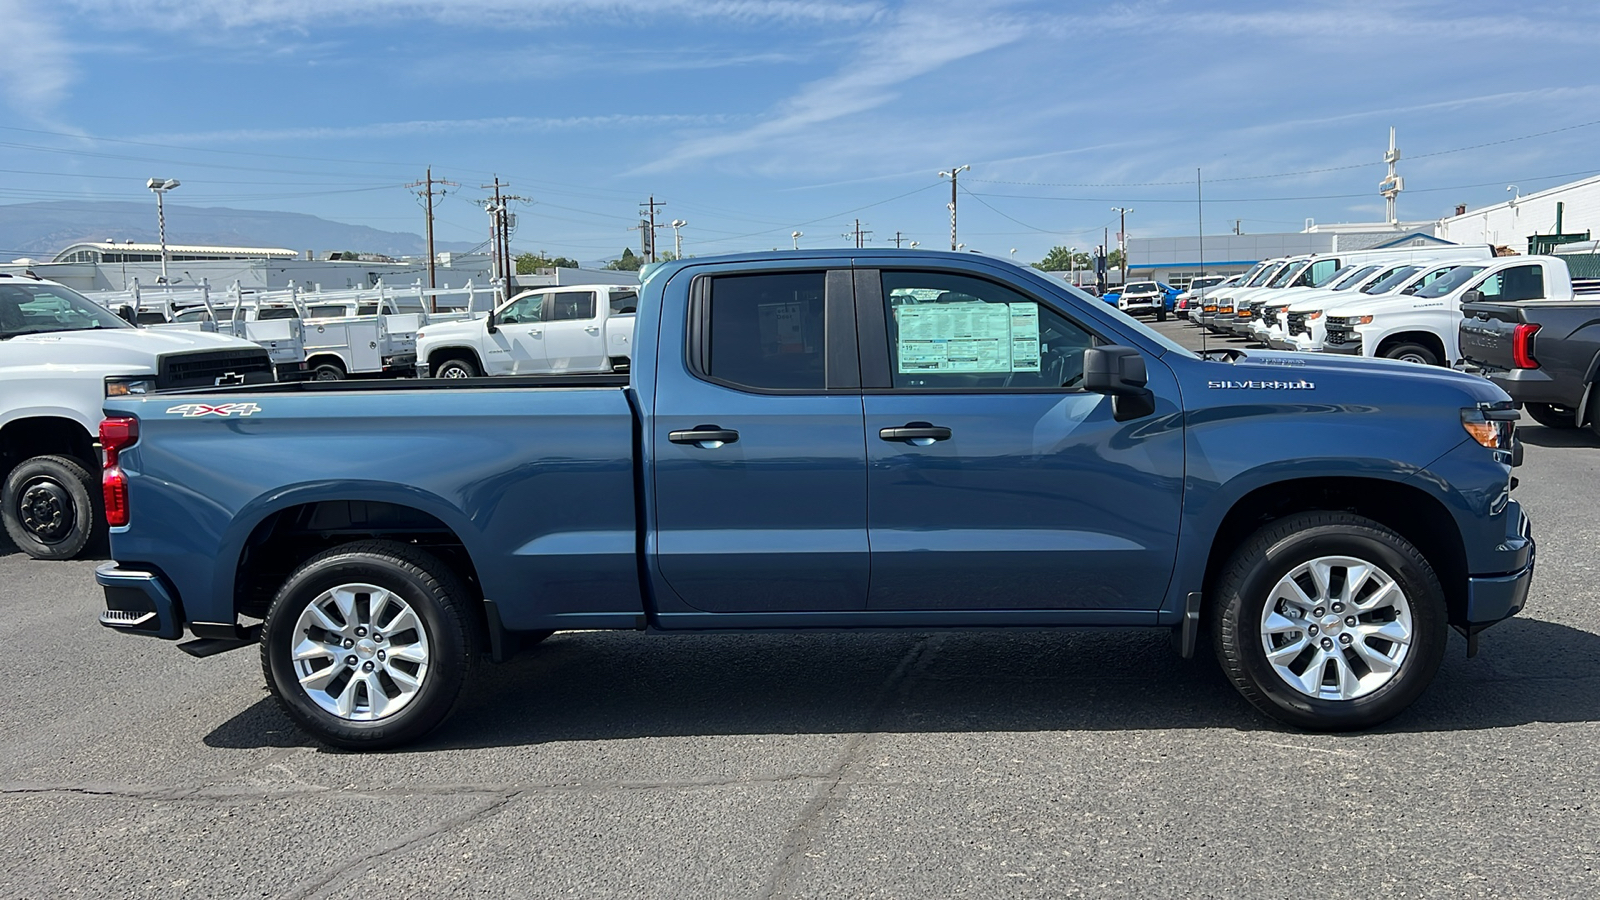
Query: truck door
x,y
759,473
517,345
572,333
994,481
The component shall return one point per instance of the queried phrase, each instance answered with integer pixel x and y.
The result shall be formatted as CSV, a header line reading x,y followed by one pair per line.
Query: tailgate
x,y
1486,334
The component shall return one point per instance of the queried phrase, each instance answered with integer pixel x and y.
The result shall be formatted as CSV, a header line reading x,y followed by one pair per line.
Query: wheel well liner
x,y
321,358
45,435
445,354
286,538
1412,512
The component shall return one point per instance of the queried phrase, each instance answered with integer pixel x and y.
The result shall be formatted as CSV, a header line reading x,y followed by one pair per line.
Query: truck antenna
x,y
1200,216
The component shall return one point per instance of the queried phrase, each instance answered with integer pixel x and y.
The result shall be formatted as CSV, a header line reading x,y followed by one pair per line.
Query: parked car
x,y
1197,291
1143,297
904,439
580,328
1544,353
61,356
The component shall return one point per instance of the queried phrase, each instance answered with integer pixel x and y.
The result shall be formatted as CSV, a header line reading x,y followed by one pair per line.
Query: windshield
x,y
1200,283
1289,274
1418,284
1390,280
1354,278
1265,274
1141,287
42,308
1456,278
1328,278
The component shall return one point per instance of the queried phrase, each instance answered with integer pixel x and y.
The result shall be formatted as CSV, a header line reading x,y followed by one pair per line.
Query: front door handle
x,y
920,434
592,329
706,437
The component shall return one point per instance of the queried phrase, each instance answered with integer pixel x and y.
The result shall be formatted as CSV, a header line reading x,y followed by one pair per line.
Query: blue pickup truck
x,y
828,440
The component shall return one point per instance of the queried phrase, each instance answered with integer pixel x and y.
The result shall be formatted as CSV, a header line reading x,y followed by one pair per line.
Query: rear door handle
x,y
706,437
919,433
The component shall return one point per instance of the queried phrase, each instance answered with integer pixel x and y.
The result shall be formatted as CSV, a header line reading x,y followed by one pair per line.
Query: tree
x,y
1060,259
528,263
627,262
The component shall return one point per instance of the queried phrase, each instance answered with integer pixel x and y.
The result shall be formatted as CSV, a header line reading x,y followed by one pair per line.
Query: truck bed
x,y
1565,347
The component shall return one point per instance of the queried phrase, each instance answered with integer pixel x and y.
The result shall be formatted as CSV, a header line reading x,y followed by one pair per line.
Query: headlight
x,y
1359,320
127,385
1314,314
1491,426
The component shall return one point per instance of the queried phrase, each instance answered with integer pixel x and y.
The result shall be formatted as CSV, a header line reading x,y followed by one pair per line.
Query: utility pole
x,y
858,234
427,194
1122,239
897,240
500,231
952,176
650,249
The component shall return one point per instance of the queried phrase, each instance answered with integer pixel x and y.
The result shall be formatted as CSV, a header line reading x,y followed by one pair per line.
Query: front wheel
x,y
1412,353
1329,621
1551,416
368,645
455,368
51,506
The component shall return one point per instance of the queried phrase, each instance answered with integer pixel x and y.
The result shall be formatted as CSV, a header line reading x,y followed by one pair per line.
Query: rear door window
x,y
1515,283
766,331
567,306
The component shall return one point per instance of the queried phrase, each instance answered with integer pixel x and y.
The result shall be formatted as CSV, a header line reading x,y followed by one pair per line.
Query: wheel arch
x,y
327,356
438,355
274,537
1425,338
45,433
1410,511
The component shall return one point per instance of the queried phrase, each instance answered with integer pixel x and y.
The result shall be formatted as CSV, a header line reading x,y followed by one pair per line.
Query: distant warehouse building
x,y
1530,223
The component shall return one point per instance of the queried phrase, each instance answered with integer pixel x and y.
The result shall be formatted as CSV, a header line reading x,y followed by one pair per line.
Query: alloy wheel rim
x,y
1336,628
360,652
454,371
46,510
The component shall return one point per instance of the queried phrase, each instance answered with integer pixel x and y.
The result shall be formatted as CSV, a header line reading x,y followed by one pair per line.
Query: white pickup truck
x,y
61,356
1422,327
573,329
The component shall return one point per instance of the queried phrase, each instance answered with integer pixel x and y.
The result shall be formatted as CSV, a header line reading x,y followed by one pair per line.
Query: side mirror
x,y
1119,372
489,323
1472,297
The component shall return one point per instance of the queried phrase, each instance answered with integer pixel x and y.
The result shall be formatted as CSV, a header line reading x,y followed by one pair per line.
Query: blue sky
x,y
754,118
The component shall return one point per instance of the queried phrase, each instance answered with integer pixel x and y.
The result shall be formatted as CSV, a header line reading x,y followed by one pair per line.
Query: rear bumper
x,y
139,602
1535,386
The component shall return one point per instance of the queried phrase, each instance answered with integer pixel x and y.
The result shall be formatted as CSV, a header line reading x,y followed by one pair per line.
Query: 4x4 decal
x,y
195,410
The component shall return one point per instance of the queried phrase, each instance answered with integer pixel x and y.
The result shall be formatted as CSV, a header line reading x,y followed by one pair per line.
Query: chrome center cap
x,y
1332,624
366,648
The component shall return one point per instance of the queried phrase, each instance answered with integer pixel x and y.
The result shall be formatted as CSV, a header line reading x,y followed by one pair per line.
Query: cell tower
x,y
1391,187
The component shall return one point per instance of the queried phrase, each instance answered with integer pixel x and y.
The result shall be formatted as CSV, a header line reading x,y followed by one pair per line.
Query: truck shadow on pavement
x,y
1540,436
615,686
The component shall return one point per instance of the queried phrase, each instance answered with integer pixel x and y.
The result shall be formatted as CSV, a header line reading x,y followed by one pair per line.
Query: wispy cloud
x,y
36,64
421,127
903,46
191,14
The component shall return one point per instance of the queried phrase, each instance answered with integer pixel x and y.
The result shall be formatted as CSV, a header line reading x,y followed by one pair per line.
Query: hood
x,y
1277,365
463,328
112,346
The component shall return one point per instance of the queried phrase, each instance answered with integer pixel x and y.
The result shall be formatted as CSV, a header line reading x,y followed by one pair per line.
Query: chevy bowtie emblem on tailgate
x,y
195,410
1301,385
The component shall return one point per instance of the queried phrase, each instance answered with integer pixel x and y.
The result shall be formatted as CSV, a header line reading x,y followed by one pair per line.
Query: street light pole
x,y
677,238
796,236
159,186
1072,266
1122,238
952,176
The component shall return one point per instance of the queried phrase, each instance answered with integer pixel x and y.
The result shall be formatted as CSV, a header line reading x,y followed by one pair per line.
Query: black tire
x,y
327,372
1415,353
1274,552
1161,314
1551,416
455,368
52,507
451,629
1594,409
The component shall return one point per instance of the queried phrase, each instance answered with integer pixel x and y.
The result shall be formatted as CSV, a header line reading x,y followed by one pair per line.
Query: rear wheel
x,y
1412,353
1551,416
51,506
1329,621
327,372
368,645
455,368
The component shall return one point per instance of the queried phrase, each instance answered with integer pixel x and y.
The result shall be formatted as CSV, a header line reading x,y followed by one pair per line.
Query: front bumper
x,y
1492,599
139,602
1348,348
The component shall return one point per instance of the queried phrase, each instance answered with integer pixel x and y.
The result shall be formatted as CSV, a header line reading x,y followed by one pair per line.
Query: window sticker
x,y
968,337
783,327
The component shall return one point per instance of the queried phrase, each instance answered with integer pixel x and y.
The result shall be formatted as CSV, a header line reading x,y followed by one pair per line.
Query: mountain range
x,y
40,230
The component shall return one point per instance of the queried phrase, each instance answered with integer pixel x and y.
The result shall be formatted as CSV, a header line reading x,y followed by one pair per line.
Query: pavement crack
x,y
836,783
482,812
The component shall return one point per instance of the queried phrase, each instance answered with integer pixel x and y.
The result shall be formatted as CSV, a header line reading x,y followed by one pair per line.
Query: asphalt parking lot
x,y
868,765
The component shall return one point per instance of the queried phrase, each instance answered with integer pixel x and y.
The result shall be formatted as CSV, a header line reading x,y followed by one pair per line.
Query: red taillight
x,y
1522,347
117,433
